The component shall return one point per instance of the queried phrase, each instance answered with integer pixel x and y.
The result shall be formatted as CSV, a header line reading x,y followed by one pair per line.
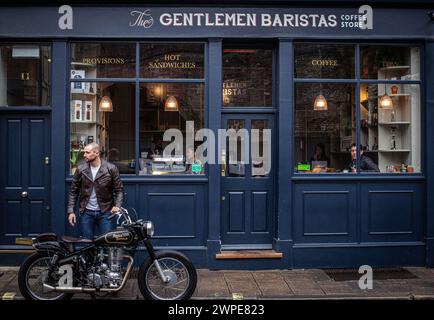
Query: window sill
x,y
159,179
358,177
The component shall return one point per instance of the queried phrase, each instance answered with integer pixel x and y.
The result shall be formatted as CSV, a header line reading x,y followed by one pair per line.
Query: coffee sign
x,y
325,62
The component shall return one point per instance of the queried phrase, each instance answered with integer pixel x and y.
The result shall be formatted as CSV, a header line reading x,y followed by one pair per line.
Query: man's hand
x,y
71,219
115,209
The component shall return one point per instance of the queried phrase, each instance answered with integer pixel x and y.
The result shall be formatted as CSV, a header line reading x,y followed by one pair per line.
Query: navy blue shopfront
x,y
314,219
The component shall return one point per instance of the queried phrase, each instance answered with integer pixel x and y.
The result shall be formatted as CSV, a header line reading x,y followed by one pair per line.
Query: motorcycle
x,y
58,270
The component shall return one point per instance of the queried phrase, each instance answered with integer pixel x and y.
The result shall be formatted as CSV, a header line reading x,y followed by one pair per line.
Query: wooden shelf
x,y
394,122
88,93
395,68
84,122
397,150
399,95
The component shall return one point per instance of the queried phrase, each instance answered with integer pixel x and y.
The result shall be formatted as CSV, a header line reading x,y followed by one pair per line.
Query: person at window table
x,y
319,153
366,163
98,187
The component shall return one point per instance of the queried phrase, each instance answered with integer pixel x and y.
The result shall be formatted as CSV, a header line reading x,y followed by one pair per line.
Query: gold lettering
x,y
325,62
104,60
25,76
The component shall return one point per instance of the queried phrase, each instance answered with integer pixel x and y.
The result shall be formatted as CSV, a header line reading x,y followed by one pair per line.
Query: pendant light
x,y
386,102
320,103
171,104
105,104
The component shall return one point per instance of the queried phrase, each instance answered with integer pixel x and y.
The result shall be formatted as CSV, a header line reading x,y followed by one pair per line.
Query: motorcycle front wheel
x,y
179,271
32,275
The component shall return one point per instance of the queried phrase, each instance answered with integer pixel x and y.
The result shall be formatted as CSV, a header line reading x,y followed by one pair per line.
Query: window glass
x,y
324,61
247,77
170,60
390,127
165,106
390,63
103,114
103,60
25,75
325,127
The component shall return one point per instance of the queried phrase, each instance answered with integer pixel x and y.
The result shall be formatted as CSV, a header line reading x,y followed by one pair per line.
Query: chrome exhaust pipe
x,y
91,290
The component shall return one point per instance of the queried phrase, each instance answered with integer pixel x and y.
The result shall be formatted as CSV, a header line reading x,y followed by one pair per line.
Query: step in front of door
x,y
249,254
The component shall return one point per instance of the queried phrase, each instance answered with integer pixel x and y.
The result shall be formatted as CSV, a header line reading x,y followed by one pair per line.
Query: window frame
x,y
33,107
358,81
137,81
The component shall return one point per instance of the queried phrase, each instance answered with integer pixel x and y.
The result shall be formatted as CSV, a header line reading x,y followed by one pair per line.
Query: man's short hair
x,y
361,147
94,146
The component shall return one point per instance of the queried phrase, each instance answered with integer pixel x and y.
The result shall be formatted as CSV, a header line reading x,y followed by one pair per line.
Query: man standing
x,y
99,188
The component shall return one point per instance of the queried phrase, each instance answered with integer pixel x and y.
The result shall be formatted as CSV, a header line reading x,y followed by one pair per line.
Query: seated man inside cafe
x,y
366,163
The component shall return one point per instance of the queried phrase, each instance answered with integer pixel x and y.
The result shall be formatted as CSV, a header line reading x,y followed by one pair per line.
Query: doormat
x,y
379,274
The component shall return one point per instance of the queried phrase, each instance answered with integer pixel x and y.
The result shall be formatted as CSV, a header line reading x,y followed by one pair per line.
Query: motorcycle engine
x,y
107,270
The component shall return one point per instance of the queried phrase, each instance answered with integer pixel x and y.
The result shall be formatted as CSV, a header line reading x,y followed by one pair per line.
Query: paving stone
x,y
335,288
301,287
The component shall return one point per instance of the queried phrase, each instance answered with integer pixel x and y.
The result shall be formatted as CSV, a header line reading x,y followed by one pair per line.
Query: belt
x,y
94,211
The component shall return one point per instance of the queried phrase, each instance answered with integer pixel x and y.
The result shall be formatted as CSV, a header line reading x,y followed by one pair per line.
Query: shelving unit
x,y
403,118
88,126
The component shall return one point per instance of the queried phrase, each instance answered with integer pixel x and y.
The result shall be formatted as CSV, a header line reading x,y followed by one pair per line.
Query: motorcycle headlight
x,y
149,228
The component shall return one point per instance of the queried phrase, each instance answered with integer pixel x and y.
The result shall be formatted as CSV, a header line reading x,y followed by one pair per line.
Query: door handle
x,y
24,194
223,164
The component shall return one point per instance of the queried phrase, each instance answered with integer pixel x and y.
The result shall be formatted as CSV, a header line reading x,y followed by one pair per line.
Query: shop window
x,y
25,75
247,77
103,112
390,62
165,106
103,60
324,61
390,126
325,127
170,60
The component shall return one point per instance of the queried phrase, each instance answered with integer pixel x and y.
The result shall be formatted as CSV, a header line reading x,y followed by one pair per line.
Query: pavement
x,y
297,284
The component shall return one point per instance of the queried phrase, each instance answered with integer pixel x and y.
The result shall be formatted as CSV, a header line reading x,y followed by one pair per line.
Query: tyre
x,y
182,277
31,276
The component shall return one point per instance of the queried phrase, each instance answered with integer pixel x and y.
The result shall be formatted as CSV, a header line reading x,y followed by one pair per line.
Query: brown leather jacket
x,y
108,187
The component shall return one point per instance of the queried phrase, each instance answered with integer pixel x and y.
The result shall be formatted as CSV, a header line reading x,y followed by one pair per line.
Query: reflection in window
x,y
324,133
103,60
104,114
247,77
163,107
390,63
390,132
324,61
25,75
171,60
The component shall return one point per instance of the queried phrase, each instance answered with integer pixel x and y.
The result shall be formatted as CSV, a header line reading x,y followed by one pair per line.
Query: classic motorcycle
x,y
58,270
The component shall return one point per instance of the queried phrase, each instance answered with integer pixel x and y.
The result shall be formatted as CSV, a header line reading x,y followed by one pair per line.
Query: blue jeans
x,y
92,220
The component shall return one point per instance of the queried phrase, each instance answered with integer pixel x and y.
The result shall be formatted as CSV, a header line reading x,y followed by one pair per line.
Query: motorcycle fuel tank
x,y
116,237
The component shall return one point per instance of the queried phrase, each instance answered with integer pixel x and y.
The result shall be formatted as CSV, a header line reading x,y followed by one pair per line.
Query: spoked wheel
x,y
181,277
33,274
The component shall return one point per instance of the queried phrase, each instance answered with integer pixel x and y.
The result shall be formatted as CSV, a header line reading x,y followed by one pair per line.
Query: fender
x,y
52,246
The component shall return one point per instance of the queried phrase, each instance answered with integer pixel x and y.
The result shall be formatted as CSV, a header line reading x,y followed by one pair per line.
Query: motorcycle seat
x,y
69,239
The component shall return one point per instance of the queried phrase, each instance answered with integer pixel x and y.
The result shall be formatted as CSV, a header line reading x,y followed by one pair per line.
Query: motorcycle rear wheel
x,y
31,277
182,274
